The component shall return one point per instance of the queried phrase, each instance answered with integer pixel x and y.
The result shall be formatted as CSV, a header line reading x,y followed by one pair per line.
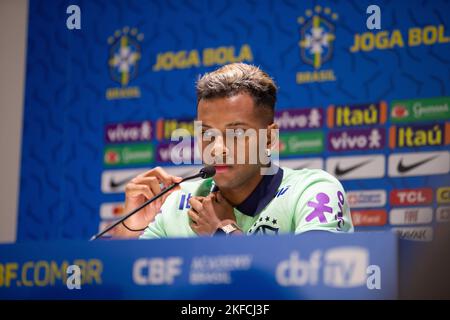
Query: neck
x,y
237,195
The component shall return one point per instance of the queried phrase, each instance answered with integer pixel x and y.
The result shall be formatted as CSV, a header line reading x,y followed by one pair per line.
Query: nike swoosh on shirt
x,y
402,168
340,172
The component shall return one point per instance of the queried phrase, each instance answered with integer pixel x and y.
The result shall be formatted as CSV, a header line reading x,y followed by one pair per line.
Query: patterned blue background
x,y
67,76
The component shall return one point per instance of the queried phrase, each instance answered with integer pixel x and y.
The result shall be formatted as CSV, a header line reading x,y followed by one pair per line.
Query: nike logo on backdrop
x,y
405,168
115,184
340,172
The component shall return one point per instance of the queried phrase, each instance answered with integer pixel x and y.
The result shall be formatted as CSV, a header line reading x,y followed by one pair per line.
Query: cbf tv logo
x,y
123,61
317,36
342,267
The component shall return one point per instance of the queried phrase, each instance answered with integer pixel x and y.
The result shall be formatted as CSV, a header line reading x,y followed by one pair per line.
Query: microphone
x,y
205,173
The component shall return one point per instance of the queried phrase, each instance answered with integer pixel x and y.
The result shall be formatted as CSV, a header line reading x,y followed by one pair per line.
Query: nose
x,y
219,150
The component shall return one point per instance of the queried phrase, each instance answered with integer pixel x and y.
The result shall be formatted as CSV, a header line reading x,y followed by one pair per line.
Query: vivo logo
x,y
128,132
299,119
357,139
177,153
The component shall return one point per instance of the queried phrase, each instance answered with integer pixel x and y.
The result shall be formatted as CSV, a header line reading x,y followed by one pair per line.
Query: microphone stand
x,y
163,192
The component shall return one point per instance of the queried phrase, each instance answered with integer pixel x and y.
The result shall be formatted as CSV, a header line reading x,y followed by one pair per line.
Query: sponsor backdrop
x,y
371,107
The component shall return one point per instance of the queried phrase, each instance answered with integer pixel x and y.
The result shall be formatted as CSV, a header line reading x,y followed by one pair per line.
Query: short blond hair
x,y
235,78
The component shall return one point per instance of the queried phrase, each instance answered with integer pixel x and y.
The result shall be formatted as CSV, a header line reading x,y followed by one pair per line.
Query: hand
x,y
138,191
223,208
209,213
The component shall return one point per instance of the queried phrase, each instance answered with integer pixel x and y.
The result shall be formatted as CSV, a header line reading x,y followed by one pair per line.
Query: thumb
x,y
207,202
221,198
176,179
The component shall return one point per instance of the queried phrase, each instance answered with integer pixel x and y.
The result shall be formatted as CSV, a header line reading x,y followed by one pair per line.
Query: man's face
x,y
238,114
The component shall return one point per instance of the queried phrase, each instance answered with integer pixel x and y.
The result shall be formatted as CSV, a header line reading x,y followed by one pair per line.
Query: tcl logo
x,y
411,196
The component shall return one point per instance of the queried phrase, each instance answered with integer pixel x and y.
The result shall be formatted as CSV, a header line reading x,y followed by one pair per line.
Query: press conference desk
x,y
316,265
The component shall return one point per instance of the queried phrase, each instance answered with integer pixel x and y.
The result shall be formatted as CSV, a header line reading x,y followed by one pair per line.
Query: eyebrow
x,y
231,124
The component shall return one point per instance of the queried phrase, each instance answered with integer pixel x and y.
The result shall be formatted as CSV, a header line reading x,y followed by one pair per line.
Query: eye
x,y
236,133
208,134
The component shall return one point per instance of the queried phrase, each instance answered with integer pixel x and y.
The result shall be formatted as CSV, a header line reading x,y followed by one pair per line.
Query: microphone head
x,y
208,172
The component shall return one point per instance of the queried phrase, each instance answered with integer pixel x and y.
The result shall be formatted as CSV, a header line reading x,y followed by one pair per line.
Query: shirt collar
x,y
264,192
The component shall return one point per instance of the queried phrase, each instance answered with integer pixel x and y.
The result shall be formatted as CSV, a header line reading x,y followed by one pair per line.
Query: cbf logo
x,y
268,225
317,35
157,271
123,62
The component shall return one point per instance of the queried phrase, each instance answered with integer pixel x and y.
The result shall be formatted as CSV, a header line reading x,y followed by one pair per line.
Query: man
x,y
239,199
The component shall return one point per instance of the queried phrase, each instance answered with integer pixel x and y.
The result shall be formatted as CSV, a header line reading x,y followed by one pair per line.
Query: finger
x,y
162,176
211,196
199,198
216,197
196,204
194,227
219,197
208,204
194,216
134,190
222,200
155,187
152,182
166,178
153,207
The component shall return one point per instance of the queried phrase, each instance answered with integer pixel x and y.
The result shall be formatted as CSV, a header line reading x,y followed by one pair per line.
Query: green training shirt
x,y
290,201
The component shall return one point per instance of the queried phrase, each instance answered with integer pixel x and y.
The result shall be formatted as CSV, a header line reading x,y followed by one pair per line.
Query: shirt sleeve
x,y
322,205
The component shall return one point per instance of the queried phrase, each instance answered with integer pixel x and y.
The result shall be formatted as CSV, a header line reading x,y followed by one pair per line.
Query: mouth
x,y
222,168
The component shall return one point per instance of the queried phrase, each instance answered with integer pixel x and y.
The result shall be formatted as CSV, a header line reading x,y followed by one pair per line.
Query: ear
x,y
272,136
